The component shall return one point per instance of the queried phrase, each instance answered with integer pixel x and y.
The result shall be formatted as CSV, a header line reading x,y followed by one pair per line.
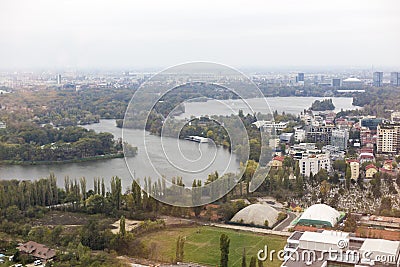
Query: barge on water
x,y
197,139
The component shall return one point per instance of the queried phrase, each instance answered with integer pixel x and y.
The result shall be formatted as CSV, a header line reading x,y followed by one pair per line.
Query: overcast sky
x,y
133,34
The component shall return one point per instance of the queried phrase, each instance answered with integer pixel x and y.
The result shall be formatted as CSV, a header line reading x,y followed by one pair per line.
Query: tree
x,y
260,263
339,165
180,243
348,177
253,262
122,229
350,224
224,247
386,205
244,258
324,189
116,191
103,188
196,197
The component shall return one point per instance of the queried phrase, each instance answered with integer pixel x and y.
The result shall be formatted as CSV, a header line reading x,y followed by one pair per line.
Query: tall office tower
x,y
378,78
300,77
58,78
395,78
336,82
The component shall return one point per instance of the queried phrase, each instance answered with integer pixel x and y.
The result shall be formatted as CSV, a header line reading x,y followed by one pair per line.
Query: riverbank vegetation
x,y
27,142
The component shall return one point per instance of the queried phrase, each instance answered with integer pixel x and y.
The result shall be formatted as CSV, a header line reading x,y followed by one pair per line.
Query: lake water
x,y
293,105
213,158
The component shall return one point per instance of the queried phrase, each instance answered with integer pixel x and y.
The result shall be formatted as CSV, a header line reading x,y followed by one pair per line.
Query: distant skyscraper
x,y
58,78
378,78
300,77
336,82
395,78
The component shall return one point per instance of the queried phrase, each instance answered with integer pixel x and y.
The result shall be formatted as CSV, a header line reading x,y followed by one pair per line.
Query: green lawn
x,y
202,245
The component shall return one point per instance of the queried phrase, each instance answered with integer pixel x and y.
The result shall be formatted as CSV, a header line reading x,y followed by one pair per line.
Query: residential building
x,y
299,135
339,139
378,79
277,162
388,165
388,138
395,78
314,163
37,250
270,125
368,138
319,133
366,157
395,116
354,168
286,138
370,171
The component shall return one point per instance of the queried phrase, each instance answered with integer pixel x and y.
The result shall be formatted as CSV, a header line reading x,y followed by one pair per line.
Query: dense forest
x,y
379,102
29,142
65,107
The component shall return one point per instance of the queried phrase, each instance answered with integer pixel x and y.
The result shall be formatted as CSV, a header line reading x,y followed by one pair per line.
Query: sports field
x,y
202,245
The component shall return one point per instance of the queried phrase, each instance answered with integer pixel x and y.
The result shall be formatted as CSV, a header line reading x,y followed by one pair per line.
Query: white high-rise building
x,y
313,164
300,135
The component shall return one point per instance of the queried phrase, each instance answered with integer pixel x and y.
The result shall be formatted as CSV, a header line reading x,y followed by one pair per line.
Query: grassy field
x,y
202,245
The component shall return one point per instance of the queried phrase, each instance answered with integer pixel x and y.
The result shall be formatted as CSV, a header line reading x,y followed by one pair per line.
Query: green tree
x,y
244,258
180,243
348,177
122,229
224,247
253,262
350,224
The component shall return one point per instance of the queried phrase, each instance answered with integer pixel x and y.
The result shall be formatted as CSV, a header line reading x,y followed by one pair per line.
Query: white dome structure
x,y
319,215
257,214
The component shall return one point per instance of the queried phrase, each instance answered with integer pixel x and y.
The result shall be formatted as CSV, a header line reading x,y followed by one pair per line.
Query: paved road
x,y
286,222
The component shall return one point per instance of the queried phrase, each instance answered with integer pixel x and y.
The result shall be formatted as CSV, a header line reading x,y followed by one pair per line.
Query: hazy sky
x,y
145,33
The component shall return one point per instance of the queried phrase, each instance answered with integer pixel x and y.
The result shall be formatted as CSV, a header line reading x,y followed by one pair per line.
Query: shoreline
x,y
31,163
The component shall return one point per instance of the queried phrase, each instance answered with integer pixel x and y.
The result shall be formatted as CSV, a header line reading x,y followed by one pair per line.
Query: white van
x,y
37,262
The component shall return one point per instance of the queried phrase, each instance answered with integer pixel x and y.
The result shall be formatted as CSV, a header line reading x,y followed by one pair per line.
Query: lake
x,y
220,159
187,157
293,105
